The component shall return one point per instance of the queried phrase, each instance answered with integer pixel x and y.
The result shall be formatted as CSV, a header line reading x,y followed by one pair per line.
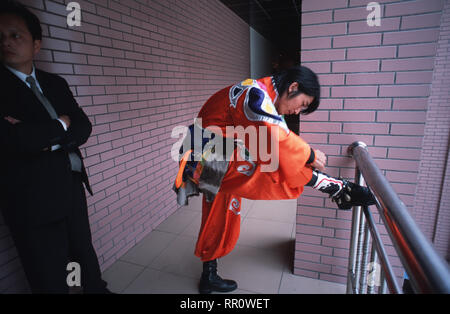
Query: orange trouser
x,y
219,232
221,219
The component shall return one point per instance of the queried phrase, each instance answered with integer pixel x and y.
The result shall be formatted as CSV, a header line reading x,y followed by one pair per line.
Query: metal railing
x,y
428,272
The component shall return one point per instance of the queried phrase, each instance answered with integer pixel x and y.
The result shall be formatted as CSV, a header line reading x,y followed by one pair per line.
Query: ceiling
x,y
277,20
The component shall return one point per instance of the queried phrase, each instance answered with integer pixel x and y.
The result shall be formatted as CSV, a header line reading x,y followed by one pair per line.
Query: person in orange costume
x,y
260,104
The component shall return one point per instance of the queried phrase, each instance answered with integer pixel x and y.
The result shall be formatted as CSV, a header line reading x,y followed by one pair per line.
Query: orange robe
x,y
249,104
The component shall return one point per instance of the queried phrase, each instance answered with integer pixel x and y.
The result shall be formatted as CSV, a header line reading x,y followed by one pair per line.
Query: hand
x,y
12,120
66,120
320,162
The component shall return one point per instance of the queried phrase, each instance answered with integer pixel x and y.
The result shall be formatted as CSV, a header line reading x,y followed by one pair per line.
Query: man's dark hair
x,y
308,84
30,19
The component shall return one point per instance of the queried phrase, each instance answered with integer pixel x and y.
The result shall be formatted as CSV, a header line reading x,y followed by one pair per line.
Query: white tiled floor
x,y
164,262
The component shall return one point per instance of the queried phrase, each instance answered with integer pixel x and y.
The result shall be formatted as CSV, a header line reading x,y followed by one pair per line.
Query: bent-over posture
x,y
247,172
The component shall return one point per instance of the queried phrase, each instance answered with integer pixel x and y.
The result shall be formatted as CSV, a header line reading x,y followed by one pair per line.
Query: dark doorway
x,y
279,22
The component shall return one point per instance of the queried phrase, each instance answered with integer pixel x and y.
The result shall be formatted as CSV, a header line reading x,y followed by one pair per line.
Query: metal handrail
x,y
428,271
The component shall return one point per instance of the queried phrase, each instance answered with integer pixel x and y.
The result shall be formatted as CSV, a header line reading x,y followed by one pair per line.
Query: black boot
x,y
210,281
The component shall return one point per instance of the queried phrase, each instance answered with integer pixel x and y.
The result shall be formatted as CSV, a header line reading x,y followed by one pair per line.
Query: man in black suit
x,y
42,173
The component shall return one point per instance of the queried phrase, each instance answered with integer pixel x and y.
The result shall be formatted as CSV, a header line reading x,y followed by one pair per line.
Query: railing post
x,y
361,223
374,262
364,258
429,273
388,272
359,249
382,289
356,216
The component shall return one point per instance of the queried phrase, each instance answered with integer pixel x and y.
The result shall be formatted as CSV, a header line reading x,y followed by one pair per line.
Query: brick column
x,y
375,86
432,202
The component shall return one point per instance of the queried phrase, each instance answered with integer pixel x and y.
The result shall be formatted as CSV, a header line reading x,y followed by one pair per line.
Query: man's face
x,y
17,47
293,105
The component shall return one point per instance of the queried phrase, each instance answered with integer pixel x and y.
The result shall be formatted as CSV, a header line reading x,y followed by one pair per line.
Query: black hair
x,y
308,83
31,20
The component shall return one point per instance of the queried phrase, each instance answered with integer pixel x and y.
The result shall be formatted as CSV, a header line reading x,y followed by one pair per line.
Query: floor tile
x,y
120,275
246,207
195,203
237,291
262,261
178,258
264,234
178,221
254,269
194,227
293,284
282,211
149,248
153,281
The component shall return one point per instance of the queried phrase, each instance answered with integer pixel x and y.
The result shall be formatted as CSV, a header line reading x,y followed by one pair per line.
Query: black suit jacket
x,y
36,185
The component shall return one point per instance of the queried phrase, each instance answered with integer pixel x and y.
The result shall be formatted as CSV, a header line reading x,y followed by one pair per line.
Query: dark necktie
x,y
75,161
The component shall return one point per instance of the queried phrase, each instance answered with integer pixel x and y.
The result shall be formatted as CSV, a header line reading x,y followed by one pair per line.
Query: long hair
x,y
308,83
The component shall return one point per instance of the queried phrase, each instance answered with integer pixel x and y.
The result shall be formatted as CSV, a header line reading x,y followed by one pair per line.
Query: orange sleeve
x,y
294,152
255,109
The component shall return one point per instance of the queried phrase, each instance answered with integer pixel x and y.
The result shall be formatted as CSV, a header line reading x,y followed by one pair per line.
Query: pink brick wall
x,y
138,68
432,202
376,83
